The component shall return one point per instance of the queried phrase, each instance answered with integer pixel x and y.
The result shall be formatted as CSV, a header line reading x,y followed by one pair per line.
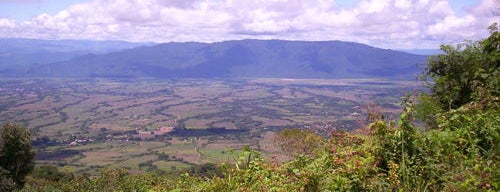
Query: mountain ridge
x,y
18,54
240,58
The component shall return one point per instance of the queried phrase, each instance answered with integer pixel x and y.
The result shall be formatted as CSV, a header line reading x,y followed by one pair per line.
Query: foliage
x,y
16,155
50,173
7,184
426,109
206,170
298,141
469,71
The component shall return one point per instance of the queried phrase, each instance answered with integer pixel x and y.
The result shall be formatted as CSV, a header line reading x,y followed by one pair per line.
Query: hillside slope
x,y
242,58
19,54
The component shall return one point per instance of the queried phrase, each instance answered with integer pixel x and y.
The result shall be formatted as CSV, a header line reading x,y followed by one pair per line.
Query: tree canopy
x,y
16,155
466,72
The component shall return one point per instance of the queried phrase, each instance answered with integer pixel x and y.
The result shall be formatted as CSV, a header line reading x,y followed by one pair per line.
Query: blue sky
x,y
383,23
24,10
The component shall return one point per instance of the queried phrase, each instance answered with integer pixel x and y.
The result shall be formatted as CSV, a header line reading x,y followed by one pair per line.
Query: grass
x,y
218,155
134,163
170,165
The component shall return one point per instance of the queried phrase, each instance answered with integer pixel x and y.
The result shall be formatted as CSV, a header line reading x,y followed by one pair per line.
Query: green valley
x,y
148,124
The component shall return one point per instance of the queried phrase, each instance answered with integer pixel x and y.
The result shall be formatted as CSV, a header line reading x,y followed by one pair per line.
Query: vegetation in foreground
x,y
454,148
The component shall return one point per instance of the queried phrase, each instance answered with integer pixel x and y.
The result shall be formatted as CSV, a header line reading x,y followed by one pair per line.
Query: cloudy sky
x,y
383,23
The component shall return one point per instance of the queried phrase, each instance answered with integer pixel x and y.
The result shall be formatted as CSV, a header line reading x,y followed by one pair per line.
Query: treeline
x,y
446,139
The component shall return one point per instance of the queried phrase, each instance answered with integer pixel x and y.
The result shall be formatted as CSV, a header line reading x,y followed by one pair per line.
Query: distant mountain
x,y
16,54
422,51
242,58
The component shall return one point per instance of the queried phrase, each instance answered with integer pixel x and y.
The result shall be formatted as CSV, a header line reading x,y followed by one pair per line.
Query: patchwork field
x,y
170,124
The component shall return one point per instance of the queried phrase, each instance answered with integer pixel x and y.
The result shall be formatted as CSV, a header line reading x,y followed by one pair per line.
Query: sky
x,y
395,24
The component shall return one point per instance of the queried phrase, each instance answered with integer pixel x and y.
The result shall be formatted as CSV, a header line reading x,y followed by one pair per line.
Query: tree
x,y
16,155
466,72
6,183
298,141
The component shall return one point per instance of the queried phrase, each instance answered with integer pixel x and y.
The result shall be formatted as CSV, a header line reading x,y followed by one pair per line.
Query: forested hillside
x,y
446,139
17,55
242,58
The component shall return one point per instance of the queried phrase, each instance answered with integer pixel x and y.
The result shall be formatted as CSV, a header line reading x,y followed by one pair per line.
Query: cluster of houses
x,y
80,142
144,135
132,135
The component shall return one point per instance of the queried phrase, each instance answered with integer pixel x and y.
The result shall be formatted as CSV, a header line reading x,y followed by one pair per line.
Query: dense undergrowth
x,y
446,140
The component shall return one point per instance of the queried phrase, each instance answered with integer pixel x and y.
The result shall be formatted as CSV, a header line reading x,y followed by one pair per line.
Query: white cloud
x,y
440,9
373,6
452,24
386,23
6,23
402,4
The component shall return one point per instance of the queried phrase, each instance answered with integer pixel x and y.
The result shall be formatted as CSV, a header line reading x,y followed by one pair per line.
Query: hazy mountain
x,y
243,58
16,55
423,51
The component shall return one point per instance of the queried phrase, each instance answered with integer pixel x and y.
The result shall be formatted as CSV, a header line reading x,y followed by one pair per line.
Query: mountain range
x,y
423,51
19,54
228,59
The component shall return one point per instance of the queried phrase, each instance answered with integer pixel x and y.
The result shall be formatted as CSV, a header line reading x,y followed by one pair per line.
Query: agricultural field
x,y
150,124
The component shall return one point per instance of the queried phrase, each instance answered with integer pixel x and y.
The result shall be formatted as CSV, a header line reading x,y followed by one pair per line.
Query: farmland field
x,y
154,124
